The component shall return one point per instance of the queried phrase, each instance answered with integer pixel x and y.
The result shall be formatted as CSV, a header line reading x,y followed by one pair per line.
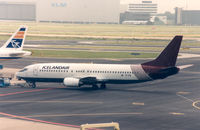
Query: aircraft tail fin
x,y
168,56
16,41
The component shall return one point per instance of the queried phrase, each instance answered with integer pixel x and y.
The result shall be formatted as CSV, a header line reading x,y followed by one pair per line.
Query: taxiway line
x,y
177,113
185,97
194,104
89,114
71,102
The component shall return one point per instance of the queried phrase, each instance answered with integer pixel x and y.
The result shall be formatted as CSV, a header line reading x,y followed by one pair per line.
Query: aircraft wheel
x,y
32,84
103,86
94,86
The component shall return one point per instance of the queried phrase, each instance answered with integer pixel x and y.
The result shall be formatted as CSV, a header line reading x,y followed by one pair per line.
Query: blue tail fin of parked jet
x,y
16,41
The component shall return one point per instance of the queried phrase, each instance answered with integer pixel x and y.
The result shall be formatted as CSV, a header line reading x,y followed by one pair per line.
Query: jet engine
x,y
71,82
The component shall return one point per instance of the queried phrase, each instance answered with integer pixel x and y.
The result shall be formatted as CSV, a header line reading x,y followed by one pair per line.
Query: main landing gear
x,y
102,86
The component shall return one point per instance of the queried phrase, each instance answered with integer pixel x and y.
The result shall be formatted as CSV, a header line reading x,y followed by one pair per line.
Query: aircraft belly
x,y
42,79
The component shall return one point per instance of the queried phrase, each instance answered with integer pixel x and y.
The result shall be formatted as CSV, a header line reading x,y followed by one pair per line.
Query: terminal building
x,y
74,11
187,17
139,12
145,7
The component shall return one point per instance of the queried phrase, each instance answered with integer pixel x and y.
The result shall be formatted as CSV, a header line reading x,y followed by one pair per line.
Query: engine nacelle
x,y
71,82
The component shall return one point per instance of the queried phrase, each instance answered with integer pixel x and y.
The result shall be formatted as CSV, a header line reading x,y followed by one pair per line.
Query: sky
x,y
168,5
163,5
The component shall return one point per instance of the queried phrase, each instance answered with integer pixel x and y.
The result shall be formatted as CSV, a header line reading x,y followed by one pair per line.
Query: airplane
x,y
78,74
13,48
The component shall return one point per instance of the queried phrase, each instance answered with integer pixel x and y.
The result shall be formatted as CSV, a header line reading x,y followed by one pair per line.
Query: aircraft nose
x,y
17,74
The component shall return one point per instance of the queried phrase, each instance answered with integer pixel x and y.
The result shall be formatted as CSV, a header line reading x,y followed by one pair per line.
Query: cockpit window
x,y
25,69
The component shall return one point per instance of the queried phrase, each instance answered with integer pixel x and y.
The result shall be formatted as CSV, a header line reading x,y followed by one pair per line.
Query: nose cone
x,y
18,75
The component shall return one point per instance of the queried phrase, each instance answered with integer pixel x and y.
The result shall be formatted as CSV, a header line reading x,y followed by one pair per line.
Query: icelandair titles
x,y
55,67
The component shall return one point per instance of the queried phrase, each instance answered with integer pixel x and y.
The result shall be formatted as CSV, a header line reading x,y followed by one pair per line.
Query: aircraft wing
x,y
89,79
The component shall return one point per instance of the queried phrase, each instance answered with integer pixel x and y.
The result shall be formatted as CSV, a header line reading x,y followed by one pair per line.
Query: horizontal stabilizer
x,y
184,66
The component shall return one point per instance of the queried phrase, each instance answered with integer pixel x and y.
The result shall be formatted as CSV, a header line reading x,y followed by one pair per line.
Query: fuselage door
x,y
35,71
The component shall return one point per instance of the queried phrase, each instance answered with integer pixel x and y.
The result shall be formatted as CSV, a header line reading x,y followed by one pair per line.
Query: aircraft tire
x,y
94,86
31,84
103,86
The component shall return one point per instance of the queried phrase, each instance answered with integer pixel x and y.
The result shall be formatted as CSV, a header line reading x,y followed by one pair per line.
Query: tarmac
x,y
172,103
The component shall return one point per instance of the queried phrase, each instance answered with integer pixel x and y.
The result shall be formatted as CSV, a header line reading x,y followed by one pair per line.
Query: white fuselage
x,y
108,73
92,74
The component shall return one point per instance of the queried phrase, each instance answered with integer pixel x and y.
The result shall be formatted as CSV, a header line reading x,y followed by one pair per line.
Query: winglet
x,y
168,56
16,41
